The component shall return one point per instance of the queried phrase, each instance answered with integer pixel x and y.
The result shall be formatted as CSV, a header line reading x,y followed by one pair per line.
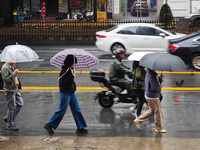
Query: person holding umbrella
x,y
67,88
152,95
158,62
12,90
12,54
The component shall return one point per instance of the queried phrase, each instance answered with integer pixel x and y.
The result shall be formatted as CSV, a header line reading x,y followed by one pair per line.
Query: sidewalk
x,y
94,143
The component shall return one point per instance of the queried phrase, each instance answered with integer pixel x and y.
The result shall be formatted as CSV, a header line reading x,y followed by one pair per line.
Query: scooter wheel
x,y
105,101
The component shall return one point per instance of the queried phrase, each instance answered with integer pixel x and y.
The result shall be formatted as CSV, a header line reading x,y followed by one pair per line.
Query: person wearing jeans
x,y
68,97
152,95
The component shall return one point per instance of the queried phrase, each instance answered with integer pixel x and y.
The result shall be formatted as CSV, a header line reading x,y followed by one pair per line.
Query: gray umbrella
x,y
162,62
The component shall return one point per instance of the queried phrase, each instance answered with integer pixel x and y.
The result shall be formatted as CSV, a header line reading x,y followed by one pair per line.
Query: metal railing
x,y
72,28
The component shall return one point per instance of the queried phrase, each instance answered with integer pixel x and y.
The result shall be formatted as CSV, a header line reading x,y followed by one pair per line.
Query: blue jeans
x,y
65,100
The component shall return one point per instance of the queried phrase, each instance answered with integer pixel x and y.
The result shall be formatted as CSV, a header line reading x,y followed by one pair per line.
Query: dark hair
x,y
135,64
69,60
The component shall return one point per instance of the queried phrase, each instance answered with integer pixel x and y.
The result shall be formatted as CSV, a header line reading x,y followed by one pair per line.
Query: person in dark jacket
x,y
118,71
139,75
152,95
67,88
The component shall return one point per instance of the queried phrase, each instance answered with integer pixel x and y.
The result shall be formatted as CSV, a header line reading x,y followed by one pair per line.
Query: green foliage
x,y
122,6
166,15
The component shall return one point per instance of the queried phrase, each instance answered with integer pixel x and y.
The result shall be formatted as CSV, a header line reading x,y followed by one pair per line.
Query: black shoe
x,y
5,119
82,131
48,129
12,128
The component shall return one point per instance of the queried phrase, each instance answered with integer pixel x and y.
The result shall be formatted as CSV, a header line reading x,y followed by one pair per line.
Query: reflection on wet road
x,y
180,116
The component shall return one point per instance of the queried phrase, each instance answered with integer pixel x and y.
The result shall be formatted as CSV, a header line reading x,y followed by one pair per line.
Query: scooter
x,y
112,93
89,15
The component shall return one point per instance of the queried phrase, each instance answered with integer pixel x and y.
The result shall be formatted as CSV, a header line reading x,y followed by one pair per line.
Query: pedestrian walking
x,y
152,95
67,88
12,90
139,87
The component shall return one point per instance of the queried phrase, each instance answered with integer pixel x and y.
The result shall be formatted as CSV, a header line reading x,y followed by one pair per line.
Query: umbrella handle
x,y
160,80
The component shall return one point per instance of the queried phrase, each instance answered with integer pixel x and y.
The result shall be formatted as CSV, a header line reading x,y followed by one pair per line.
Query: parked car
x,y
191,20
188,48
140,7
135,37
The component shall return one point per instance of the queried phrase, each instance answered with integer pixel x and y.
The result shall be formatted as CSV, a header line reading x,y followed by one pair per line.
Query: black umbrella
x,y
162,62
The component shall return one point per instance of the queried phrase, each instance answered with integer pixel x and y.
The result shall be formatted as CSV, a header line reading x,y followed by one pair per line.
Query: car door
x,y
152,40
131,39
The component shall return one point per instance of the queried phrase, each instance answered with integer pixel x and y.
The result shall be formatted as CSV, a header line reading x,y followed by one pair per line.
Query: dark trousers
x,y
142,100
124,84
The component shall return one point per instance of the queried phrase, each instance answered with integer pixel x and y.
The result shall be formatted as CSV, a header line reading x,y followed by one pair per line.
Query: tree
x,y
166,15
122,7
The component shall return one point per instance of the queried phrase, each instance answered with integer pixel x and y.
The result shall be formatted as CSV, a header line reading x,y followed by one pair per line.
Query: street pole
x,y
95,10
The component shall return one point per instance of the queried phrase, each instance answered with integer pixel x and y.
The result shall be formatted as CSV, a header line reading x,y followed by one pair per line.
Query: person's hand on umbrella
x,y
162,77
16,71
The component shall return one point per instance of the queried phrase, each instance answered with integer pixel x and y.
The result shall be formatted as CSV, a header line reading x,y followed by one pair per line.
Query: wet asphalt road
x,y
181,116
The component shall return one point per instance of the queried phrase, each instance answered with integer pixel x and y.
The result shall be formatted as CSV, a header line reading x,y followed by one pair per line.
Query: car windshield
x,y
111,29
170,32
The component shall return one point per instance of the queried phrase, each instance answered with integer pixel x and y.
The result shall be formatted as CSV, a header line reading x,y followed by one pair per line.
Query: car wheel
x,y
115,46
196,62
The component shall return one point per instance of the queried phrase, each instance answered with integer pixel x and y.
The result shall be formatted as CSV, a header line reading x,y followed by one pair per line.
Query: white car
x,y
135,37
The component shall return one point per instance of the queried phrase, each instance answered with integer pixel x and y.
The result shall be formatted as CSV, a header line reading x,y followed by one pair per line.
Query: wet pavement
x,y
180,116
111,129
108,128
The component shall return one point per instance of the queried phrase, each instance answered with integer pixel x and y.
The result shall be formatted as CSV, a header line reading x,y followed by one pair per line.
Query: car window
x,y
129,30
111,29
197,40
150,31
170,32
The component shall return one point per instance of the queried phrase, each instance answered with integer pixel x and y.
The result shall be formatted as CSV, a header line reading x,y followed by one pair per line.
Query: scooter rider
x,y
118,71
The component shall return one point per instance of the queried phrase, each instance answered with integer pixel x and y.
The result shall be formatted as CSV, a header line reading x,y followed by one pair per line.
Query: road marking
x,y
168,72
101,88
181,88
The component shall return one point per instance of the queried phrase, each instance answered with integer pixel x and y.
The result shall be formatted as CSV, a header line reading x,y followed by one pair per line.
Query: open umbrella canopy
x,y
17,54
136,56
162,62
84,58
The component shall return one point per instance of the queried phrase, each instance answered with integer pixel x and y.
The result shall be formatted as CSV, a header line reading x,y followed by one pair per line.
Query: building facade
x,y
67,9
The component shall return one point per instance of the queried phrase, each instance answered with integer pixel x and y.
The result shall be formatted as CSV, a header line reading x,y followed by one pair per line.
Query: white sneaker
x,y
132,109
137,116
